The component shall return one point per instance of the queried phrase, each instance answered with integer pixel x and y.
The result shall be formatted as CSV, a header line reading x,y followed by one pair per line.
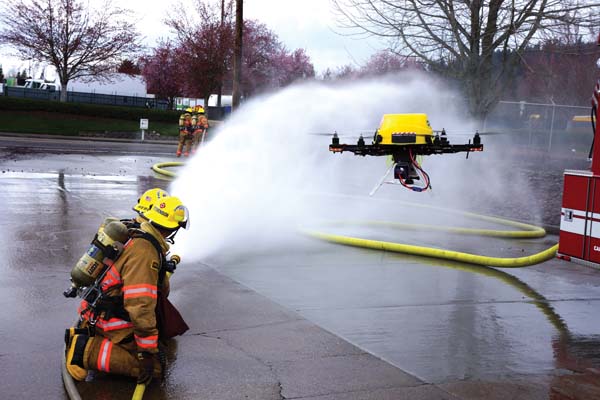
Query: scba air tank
x,y
108,243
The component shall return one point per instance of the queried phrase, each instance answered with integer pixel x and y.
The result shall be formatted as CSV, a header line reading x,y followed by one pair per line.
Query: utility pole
x,y
221,46
237,54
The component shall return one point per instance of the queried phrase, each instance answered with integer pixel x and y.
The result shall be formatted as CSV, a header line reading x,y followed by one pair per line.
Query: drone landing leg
x,y
382,180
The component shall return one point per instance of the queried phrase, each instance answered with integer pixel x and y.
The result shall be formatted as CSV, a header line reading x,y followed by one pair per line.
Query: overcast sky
x,y
308,24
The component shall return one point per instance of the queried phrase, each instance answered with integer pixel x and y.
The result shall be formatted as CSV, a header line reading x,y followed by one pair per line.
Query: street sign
x,y
143,124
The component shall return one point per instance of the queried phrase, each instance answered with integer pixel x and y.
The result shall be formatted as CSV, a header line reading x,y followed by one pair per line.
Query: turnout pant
x,y
185,140
101,354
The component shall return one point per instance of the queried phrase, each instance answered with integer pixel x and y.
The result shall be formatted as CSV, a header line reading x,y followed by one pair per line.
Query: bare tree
x,y
476,41
78,41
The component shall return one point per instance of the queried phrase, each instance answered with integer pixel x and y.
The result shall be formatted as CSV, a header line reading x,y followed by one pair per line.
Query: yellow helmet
x,y
149,197
189,110
168,213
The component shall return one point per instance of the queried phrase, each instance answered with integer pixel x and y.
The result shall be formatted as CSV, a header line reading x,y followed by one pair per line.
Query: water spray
x,y
263,173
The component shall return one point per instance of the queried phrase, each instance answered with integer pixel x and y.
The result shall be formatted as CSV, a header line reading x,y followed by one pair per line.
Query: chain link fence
x,y
550,127
89,98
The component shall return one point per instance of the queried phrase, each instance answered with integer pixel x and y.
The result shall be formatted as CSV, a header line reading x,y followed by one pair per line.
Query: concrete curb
x,y
90,138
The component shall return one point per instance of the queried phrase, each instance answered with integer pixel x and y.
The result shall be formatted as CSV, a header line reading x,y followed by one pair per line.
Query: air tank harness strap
x,y
131,224
161,270
113,306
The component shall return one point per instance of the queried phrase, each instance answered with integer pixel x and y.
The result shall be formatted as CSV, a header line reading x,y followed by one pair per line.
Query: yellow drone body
x,y
404,129
405,138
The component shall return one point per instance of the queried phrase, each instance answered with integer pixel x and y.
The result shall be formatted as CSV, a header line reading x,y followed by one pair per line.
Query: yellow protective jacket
x,y
134,279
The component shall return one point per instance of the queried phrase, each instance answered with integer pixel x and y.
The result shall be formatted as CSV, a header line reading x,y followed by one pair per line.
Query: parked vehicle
x,y
50,86
33,83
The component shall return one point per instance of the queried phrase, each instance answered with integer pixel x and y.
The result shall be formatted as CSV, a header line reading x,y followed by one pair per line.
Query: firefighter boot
x,y
75,356
72,331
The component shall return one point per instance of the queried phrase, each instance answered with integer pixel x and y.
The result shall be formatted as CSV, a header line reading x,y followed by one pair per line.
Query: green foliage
x,y
42,122
51,117
92,110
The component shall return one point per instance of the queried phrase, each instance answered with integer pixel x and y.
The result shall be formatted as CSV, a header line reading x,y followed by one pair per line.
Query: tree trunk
x,y
63,92
206,112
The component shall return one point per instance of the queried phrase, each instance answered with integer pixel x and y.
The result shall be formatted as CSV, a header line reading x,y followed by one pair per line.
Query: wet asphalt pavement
x,y
319,321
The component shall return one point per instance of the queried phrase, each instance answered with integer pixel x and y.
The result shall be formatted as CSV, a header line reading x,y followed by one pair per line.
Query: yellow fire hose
x,y
525,231
68,381
138,394
439,253
160,168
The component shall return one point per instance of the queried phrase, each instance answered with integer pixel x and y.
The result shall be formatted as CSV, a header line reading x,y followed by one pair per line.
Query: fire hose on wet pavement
x,y
524,231
71,387
529,231
160,168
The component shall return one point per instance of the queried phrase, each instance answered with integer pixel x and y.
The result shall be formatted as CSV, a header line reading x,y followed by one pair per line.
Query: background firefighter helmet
x,y
149,197
169,213
189,110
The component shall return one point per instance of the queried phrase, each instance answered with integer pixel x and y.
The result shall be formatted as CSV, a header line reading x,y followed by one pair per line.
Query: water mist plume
x,y
255,181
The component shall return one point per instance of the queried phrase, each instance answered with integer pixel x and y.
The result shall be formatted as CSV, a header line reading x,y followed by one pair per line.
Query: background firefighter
x,y
121,335
186,133
200,128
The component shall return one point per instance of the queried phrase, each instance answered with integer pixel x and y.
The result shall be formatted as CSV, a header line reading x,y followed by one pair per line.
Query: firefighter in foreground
x,y
186,133
119,328
200,128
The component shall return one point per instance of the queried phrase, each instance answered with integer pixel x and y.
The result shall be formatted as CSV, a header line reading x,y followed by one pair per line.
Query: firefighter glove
x,y
146,366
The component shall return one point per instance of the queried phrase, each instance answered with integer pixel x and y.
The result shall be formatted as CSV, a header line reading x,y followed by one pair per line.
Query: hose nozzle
x,y
171,265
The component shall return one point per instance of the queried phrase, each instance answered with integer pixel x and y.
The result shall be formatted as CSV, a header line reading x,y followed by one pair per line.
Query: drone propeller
x,y
470,134
355,135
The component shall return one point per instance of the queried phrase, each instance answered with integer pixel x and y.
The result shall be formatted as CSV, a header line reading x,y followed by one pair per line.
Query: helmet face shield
x,y
182,216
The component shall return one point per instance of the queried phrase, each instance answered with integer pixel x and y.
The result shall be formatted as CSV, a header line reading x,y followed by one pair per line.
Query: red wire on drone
x,y
423,173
